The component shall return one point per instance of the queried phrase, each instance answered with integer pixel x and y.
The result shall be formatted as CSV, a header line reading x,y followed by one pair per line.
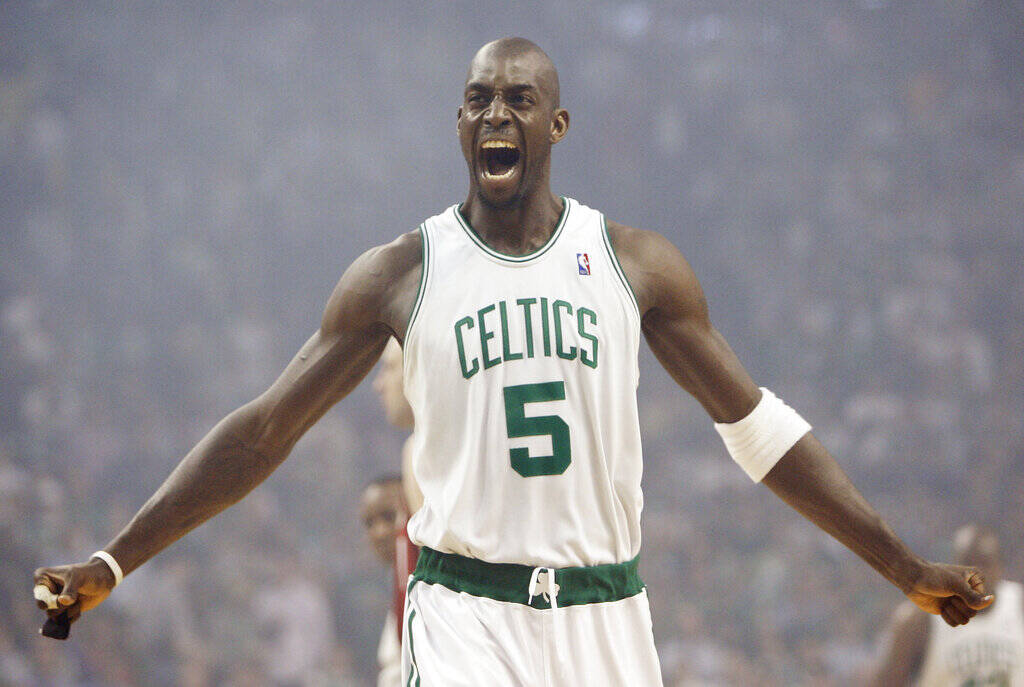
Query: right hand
x,y
78,587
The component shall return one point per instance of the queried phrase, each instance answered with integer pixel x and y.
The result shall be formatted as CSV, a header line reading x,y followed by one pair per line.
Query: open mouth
x,y
499,159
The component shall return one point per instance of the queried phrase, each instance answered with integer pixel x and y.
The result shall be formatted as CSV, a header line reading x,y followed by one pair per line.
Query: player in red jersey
x,y
384,513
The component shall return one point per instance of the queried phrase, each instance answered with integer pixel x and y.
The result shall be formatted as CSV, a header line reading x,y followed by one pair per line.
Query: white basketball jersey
x,y
989,650
522,374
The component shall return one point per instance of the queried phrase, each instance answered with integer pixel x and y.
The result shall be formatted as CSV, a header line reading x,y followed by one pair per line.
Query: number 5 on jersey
x,y
518,426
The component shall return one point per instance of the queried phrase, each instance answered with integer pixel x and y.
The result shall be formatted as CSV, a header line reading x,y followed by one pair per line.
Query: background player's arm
x,y
370,302
903,651
676,324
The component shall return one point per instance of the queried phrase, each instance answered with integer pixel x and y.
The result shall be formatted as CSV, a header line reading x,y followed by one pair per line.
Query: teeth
x,y
505,175
499,144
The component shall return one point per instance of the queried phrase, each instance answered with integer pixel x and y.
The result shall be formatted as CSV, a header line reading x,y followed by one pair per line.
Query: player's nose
x,y
497,114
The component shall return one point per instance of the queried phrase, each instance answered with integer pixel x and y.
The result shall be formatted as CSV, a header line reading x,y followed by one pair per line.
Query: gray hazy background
x,y
182,183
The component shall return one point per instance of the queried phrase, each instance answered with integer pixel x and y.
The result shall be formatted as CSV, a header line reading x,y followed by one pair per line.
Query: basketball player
x,y
384,513
520,315
990,651
401,495
390,388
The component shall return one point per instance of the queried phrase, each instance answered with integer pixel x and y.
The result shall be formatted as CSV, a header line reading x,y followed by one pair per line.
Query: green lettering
x,y
467,371
591,359
545,327
485,336
527,305
506,349
571,353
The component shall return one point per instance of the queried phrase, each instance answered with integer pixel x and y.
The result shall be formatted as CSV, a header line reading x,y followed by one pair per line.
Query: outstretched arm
x,y
370,303
676,324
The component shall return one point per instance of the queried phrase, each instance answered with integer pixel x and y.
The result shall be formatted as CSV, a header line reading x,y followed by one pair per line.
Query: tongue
x,y
499,162
497,169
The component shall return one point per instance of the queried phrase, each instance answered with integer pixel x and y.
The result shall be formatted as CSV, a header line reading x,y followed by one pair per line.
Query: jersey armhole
x,y
424,274
618,267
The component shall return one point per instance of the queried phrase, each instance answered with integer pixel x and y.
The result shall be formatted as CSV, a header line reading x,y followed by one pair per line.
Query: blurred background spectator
x,y
181,184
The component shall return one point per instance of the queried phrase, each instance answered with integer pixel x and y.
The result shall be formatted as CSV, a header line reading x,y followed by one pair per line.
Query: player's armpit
x,y
379,288
370,303
677,326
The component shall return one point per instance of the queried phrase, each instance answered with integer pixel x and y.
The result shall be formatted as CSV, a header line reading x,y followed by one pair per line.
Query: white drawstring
x,y
550,594
546,586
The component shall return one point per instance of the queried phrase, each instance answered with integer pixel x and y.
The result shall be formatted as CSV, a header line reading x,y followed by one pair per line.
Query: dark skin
x,y
383,512
909,631
511,95
511,101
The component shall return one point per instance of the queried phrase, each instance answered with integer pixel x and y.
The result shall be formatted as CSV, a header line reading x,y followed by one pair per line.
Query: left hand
x,y
955,592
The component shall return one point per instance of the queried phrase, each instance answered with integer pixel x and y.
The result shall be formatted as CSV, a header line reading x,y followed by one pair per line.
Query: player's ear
x,y
559,125
458,119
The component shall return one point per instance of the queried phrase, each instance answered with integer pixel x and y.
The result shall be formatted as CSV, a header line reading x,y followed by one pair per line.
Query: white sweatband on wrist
x,y
112,564
759,440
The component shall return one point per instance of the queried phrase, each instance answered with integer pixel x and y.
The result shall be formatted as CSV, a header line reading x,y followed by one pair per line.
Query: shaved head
x,y
505,48
508,121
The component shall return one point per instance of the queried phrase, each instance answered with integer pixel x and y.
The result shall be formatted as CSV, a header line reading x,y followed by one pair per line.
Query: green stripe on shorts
x,y
414,670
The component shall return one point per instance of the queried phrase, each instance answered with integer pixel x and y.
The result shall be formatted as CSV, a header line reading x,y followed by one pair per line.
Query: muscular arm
x,y
370,303
247,445
676,324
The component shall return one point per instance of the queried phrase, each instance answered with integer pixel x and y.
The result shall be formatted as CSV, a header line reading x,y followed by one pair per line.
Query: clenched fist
x,y
67,591
955,592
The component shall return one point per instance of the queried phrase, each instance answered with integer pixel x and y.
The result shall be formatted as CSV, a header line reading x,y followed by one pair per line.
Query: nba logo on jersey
x,y
584,263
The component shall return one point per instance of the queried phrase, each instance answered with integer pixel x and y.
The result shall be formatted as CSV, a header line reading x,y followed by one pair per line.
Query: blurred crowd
x,y
182,184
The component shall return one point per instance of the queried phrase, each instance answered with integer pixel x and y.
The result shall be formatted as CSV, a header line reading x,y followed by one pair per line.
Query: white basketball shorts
x,y
470,623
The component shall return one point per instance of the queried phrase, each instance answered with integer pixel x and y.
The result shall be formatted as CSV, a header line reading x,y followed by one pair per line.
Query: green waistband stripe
x,y
511,582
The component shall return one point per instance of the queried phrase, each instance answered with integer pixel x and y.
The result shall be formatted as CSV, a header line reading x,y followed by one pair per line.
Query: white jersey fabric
x,y
522,375
389,655
989,650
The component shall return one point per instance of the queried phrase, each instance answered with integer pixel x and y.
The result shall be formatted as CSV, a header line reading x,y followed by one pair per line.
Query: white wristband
x,y
759,440
112,564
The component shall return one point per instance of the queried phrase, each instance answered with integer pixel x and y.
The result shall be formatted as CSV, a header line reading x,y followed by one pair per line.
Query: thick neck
x,y
517,229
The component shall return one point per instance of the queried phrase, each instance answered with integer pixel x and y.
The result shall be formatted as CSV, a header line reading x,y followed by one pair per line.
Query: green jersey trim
x,y
423,280
510,582
517,259
618,266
